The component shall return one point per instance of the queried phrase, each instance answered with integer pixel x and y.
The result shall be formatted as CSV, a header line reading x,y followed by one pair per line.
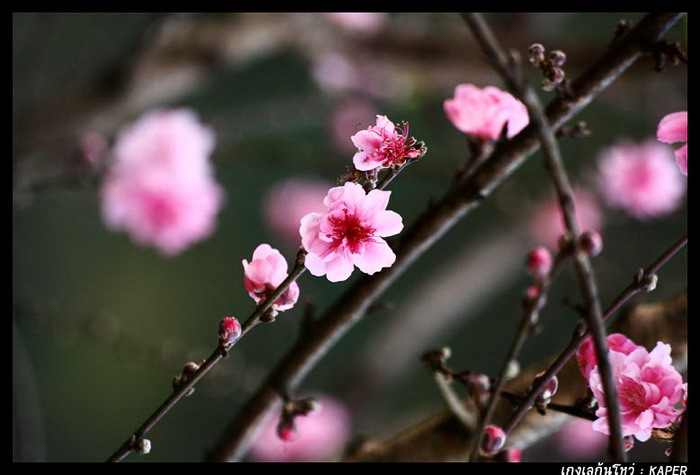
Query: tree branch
x,y
460,200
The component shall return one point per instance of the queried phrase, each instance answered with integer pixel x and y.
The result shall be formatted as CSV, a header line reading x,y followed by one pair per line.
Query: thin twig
x,y
637,285
431,226
510,70
466,417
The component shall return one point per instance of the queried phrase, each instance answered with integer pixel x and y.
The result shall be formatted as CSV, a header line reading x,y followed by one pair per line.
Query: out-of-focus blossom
x,y
290,200
514,455
349,233
161,188
674,128
382,145
348,117
265,273
586,356
319,435
335,72
483,113
648,389
640,179
547,225
369,22
578,439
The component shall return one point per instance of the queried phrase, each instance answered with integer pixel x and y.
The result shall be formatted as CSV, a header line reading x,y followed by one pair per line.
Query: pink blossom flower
x,y
264,274
648,388
347,118
349,233
674,128
290,200
362,22
381,146
586,355
577,438
484,112
641,179
547,225
335,72
319,435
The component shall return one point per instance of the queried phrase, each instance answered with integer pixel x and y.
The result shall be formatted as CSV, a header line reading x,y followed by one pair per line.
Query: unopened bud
x,y
479,383
629,443
550,388
493,441
512,370
229,330
591,243
539,262
536,54
143,446
307,406
558,58
555,75
514,455
286,430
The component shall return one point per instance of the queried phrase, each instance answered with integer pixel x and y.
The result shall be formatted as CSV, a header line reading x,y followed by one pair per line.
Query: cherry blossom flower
x,y
265,272
586,356
161,188
319,435
577,438
547,225
674,128
640,179
382,145
349,233
362,22
290,200
648,388
483,113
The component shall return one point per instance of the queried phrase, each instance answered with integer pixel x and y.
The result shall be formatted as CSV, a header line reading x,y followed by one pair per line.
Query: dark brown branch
x,y
509,68
337,320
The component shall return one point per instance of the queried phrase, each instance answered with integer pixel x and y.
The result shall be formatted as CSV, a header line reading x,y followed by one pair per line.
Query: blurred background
x,y
101,325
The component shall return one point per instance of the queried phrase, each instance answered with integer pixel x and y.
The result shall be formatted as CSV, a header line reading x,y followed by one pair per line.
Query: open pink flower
x,y
319,435
547,225
641,179
648,388
264,274
484,112
674,128
381,146
349,233
586,356
290,200
161,188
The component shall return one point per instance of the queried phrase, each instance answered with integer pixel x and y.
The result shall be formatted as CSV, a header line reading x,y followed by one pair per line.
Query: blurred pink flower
x,y
548,224
369,22
674,128
586,356
265,273
349,233
641,179
290,200
648,388
161,188
335,72
319,435
577,438
381,146
347,118
484,112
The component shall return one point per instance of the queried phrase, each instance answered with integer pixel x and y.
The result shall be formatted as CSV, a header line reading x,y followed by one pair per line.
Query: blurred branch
x,y
430,227
442,438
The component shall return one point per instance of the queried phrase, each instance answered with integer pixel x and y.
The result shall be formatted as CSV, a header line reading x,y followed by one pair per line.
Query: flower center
x,y
351,232
632,395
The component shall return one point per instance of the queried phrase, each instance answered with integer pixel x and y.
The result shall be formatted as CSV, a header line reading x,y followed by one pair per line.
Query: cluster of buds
x,y
551,66
187,372
286,428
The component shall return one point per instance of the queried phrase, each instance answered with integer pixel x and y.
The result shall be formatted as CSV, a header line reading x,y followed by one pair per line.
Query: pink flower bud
x,y
539,262
514,455
286,433
629,443
229,330
550,388
533,292
493,440
591,243
480,383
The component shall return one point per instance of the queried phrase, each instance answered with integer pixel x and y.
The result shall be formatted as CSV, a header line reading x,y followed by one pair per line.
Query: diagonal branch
x,y
459,201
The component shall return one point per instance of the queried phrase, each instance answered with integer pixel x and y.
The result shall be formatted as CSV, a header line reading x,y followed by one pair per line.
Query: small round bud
x,y
629,443
533,292
143,446
536,54
479,383
493,441
445,353
286,430
555,75
513,369
539,262
649,283
229,330
189,369
591,243
307,406
549,390
514,455
557,57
